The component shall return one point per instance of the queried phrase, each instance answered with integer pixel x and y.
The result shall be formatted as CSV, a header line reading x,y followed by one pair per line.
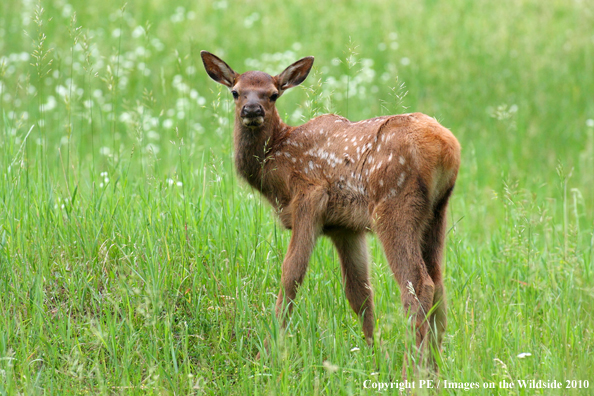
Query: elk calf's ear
x,y
295,74
218,70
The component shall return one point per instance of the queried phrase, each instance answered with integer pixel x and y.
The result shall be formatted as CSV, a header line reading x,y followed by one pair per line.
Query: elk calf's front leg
x,y
352,251
307,209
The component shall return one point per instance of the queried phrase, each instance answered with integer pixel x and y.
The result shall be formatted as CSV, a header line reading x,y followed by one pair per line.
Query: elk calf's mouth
x,y
252,121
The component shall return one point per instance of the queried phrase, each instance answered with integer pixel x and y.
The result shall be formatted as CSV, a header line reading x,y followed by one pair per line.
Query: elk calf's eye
x,y
235,94
274,97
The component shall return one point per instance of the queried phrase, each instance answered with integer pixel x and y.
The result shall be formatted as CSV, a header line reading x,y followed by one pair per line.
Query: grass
x,y
133,261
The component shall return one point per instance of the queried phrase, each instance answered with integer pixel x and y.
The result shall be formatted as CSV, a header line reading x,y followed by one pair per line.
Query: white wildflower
x,y
138,31
249,21
50,104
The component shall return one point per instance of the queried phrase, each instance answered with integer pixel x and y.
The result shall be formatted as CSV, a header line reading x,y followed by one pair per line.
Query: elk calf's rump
x,y
392,174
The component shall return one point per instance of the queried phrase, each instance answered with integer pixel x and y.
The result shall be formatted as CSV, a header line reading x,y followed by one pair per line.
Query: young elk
x,y
392,174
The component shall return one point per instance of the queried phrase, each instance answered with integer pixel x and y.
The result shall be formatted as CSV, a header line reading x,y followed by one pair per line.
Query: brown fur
x,y
392,174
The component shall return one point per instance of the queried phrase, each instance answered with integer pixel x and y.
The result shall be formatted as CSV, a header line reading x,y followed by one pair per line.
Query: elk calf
x,y
391,174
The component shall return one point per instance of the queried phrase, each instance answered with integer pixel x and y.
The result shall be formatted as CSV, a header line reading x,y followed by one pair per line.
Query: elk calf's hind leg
x,y
352,251
433,244
399,228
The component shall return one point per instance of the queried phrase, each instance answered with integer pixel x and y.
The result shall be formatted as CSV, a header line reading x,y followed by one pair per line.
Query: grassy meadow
x,y
134,261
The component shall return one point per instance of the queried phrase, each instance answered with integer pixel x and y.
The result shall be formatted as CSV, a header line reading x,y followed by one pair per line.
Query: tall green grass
x,y
133,261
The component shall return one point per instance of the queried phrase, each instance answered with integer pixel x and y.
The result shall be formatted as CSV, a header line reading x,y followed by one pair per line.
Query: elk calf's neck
x,y
391,174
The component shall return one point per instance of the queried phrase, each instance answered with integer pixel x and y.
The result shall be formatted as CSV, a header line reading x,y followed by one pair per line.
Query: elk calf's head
x,y
255,93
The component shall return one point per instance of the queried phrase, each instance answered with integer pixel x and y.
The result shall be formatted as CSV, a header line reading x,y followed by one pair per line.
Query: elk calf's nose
x,y
252,110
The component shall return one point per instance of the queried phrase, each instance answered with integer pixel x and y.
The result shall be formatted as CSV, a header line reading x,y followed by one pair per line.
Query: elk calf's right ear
x,y
218,70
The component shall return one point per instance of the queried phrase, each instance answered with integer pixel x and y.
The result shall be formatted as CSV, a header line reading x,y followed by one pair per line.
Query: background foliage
x,y
133,261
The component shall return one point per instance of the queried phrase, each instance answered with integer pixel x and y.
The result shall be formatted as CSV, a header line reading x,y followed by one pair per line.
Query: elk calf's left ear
x,y
217,69
295,74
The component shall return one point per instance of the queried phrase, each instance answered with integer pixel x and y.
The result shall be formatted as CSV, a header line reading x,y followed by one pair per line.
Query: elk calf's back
x,y
391,174
360,165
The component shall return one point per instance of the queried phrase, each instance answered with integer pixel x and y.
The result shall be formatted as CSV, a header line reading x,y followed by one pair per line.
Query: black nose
x,y
252,110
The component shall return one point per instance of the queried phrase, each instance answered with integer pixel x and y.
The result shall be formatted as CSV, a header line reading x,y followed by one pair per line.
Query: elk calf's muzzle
x,y
252,115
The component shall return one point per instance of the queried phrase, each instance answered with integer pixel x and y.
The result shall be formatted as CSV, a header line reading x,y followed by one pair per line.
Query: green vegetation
x,y
133,261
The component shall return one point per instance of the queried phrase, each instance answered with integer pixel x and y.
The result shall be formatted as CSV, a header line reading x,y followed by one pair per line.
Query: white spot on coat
x,y
401,178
